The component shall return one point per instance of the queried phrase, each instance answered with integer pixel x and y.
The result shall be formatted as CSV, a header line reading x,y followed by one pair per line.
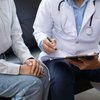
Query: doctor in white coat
x,y
74,29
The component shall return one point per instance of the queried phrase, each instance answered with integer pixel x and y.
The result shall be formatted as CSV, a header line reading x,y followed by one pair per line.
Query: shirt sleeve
x,y
18,45
43,25
9,68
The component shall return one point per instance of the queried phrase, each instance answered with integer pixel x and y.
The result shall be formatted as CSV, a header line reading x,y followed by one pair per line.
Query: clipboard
x,y
86,56
83,56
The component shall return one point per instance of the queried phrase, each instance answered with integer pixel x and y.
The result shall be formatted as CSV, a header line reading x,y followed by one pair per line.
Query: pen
x,y
51,42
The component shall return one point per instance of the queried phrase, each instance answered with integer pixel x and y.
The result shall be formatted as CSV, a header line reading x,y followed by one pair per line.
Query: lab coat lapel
x,y
70,13
88,12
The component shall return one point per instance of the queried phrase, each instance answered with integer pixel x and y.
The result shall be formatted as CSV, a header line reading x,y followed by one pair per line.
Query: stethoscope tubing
x,y
92,15
65,21
60,4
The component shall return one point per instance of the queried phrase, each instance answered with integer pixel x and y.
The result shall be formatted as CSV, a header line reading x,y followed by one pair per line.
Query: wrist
x,y
20,69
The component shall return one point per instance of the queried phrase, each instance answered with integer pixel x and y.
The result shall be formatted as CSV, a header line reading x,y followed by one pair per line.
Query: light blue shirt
x,y
78,13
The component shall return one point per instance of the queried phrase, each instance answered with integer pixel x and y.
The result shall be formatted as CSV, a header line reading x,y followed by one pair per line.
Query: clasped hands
x,y
32,67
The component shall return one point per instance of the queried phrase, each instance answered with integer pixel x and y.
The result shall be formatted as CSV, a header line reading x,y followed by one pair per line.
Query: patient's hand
x,y
32,67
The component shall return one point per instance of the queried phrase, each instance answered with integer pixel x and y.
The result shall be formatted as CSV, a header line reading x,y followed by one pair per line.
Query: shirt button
x,y
77,42
79,11
12,71
79,27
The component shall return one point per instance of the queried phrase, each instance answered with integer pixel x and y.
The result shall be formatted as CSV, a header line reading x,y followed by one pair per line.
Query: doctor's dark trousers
x,y
62,78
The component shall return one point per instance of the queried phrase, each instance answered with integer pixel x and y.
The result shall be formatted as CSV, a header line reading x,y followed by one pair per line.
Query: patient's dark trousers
x,y
62,78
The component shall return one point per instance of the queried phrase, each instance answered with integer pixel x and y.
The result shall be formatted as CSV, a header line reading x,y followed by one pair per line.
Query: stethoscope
x,y
88,30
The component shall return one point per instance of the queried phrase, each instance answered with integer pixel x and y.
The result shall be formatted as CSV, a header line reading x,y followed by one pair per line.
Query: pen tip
x,y
56,49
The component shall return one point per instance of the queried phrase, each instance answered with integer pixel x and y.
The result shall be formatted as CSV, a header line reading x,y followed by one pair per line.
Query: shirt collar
x,y
71,2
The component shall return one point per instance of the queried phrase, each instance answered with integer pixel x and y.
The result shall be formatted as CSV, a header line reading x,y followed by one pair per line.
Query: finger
x,y
48,43
40,76
34,66
54,40
28,62
81,65
36,69
48,49
54,43
39,70
42,71
74,62
92,53
83,60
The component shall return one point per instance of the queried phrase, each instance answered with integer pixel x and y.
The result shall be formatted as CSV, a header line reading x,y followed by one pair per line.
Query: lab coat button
x,y
77,42
8,36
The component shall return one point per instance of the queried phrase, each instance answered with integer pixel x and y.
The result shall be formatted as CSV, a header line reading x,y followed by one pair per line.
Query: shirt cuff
x,y
40,45
13,68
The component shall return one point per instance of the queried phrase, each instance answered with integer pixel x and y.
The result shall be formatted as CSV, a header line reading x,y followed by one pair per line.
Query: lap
x,y
61,67
12,84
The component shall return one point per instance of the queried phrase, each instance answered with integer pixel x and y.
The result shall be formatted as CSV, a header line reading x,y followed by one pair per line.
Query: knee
x,y
31,83
64,79
36,84
62,74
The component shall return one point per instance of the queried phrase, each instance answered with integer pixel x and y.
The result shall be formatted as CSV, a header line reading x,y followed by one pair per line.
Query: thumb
x,y
92,53
96,57
54,43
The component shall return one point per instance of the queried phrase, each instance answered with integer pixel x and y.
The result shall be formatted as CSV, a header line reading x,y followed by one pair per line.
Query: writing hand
x,y
49,47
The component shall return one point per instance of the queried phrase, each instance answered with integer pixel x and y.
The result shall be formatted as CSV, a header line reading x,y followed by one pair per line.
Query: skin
x,y
93,63
78,2
32,67
49,47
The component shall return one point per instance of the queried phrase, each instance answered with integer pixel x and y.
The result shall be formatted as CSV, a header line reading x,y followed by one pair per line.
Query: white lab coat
x,y
48,23
11,36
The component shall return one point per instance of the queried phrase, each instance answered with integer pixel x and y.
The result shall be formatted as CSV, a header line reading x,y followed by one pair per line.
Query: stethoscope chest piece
x,y
89,30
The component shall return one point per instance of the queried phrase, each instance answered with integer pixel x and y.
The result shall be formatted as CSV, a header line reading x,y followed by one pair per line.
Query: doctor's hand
x,y
49,47
36,68
85,64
